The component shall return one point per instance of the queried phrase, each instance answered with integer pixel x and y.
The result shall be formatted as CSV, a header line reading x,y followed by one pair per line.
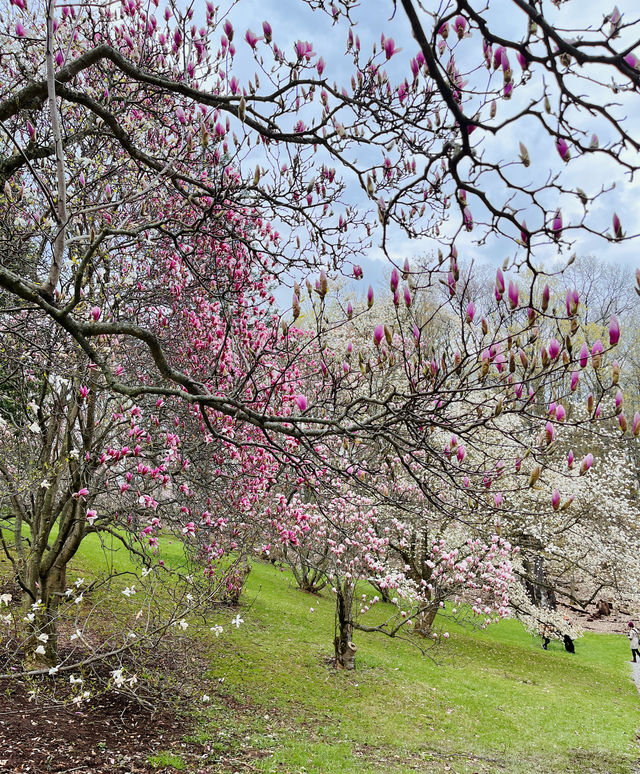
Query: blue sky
x,y
292,20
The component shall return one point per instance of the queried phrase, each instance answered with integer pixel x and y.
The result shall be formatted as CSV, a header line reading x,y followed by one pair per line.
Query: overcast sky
x,y
292,20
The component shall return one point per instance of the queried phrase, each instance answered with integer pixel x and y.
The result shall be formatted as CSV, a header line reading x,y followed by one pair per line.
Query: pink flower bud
x,y
466,482
378,334
618,400
499,284
407,296
370,297
349,310
575,378
596,352
251,38
320,66
295,307
554,349
584,355
471,311
617,227
636,424
586,463
95,313
555,499
301,402
556,225
395,279
459,25
549,432
389,48
614,331
563,149
570,459
498,499
357,272
513,295
461,453
546,293
267,31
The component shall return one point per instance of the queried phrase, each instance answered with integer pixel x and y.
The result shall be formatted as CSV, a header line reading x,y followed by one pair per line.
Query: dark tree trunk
x,y
345,650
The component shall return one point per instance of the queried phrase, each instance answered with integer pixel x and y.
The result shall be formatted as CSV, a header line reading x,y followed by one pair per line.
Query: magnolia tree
x,y
154,193
345,535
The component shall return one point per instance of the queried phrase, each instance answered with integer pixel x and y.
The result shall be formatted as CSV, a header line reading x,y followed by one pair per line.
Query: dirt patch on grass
x,y
112,734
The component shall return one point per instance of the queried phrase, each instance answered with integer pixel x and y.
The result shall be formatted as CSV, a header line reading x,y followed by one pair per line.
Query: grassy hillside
x,y
490,701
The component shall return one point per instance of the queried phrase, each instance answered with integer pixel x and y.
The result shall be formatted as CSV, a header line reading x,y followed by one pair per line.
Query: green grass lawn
x,y
487,701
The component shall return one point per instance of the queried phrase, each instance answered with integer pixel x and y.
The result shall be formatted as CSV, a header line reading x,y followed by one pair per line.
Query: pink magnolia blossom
x,y
513,295
378,334
95,313
555,499
560,413
586,463
471,311
617,227
370,297
301,402
389,48
556,225
575,378
570,459
563,149
460,25
251,38
614,331
636,424
267,31
584,355
500,286
81,493
596,352
554,349
407,296
395,279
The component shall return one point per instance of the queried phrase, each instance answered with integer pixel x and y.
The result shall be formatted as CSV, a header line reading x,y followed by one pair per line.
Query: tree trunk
x,y
345,650
43,629
425,620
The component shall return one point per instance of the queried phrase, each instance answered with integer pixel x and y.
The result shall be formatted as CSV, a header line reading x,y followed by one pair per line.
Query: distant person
x,y
634,641
545,633
568,644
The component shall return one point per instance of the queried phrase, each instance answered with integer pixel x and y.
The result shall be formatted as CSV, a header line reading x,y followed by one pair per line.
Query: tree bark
x,y
345,650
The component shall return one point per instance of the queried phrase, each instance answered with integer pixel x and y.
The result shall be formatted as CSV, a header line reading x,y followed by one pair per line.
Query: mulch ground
x,y
112,733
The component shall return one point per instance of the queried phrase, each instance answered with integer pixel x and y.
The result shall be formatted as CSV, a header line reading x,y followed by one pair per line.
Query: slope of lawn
x,y
485,701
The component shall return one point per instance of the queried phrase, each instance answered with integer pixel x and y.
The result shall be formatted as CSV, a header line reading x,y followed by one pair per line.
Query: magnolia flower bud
x,y
545,298
614,331
535,475
596,352
587,462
